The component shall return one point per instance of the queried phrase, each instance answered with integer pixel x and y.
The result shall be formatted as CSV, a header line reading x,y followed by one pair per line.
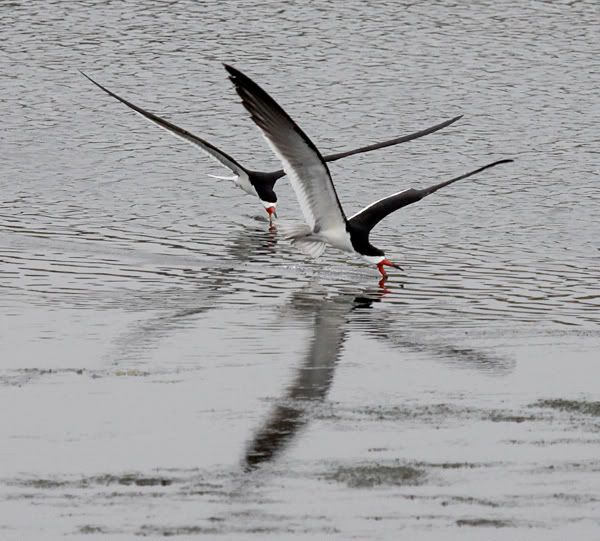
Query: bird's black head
x,y
359,236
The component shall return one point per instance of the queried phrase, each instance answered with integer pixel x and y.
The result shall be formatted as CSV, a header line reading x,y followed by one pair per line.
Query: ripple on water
x,y
139,297
464,285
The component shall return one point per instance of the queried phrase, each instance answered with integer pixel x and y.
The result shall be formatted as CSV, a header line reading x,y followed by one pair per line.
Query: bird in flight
x,y
258,183
326,222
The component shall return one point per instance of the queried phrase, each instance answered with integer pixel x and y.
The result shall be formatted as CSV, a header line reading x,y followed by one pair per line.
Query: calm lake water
x,y
169,366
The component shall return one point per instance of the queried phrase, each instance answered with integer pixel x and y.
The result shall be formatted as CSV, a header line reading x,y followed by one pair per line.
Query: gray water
x,y
170,367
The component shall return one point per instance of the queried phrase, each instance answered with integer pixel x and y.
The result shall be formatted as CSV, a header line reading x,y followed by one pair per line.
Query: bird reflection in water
x,y
331,322
404,335
211,284
313,378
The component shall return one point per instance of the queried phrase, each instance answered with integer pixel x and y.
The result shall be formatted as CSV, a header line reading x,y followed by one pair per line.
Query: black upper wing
x,y
302,161
391,142
370,216
214,152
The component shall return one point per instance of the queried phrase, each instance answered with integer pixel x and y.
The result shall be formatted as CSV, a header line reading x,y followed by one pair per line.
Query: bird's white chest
x,y
374,259
338,238
243,182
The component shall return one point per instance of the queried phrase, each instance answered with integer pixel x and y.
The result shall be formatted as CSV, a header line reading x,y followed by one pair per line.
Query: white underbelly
x,y
338,238
244,183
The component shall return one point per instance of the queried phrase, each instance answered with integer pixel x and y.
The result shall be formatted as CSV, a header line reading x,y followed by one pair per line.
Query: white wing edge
x,y
378,201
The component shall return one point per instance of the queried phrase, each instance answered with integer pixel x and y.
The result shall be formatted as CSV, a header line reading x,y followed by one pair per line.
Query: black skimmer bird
x,y
258,183
302,162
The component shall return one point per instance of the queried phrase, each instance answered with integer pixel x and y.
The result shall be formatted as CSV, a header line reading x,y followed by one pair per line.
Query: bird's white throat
x,y
374,259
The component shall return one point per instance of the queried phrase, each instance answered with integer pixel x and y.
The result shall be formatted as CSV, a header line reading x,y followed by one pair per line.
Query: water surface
x,y
171,367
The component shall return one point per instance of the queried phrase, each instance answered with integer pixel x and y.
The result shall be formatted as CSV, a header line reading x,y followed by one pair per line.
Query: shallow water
x,y
171,367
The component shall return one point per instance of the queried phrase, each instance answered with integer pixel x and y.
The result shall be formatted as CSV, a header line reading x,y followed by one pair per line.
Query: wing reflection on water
x,y
459,356
249,246
313,378
331,321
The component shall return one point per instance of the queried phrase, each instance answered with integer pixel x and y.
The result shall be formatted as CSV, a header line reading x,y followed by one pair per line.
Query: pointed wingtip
x,y
493,164
449,122
436,187
239,79
91,80
233,73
